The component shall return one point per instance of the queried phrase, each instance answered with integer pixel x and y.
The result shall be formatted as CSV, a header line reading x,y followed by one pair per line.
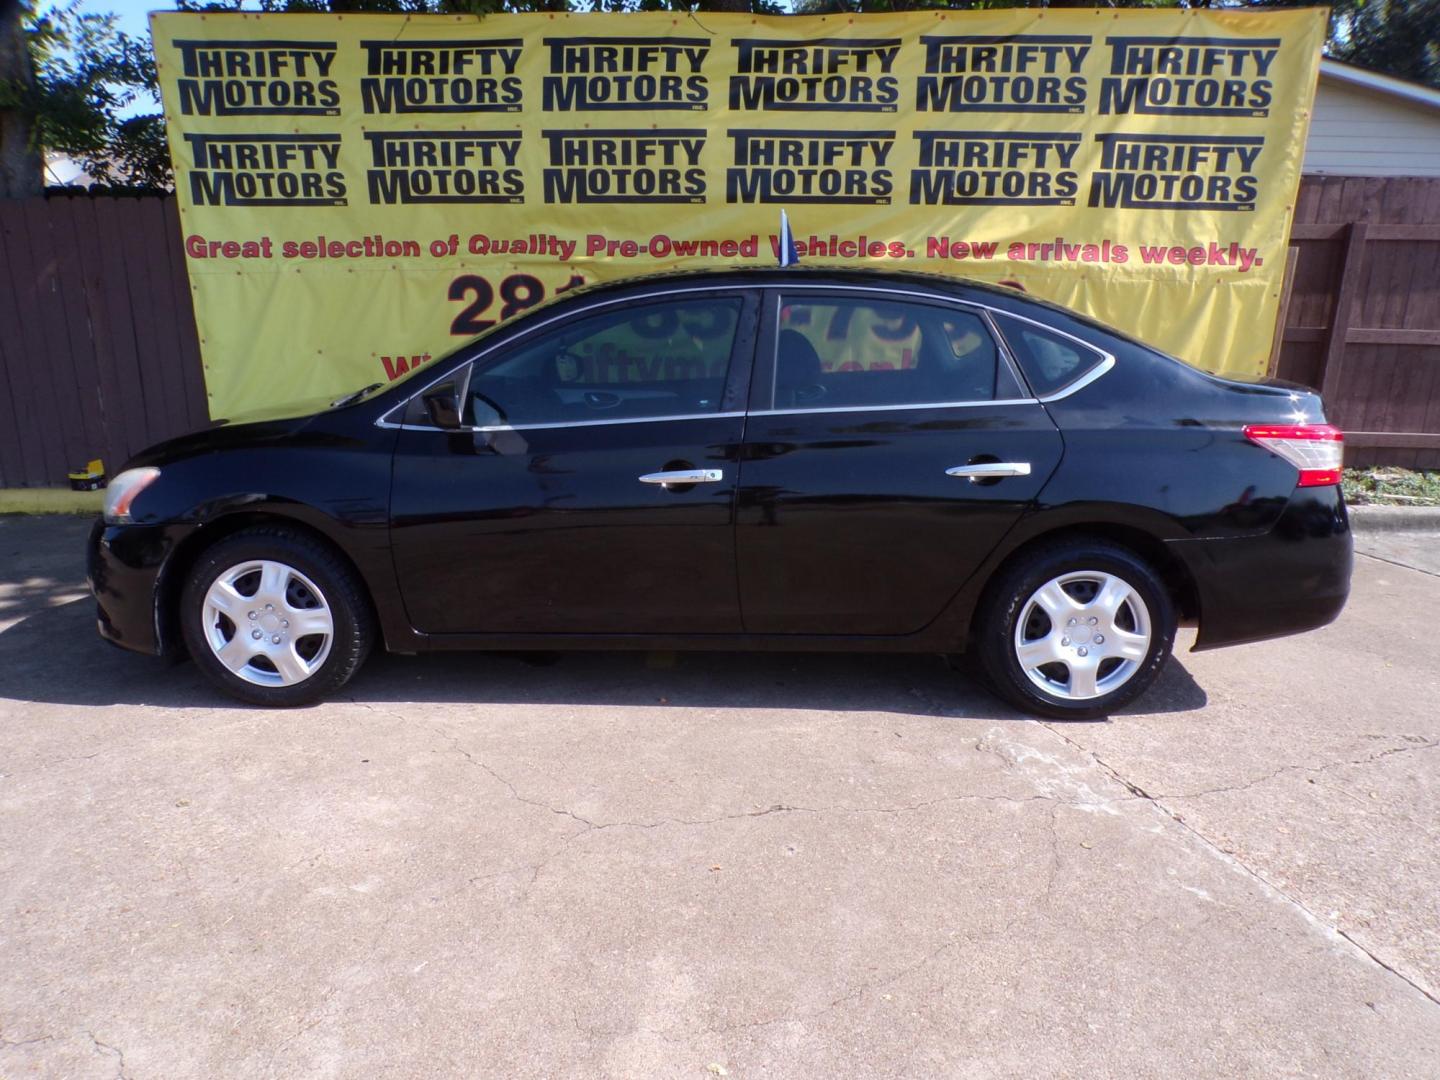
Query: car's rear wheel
x,y
274,617
1075,629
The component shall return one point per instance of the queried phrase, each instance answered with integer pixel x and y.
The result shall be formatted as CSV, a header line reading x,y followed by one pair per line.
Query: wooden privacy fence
x,y
99,355
1362,318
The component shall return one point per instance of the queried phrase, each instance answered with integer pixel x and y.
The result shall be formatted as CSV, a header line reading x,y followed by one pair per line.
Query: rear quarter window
x,y
1050,361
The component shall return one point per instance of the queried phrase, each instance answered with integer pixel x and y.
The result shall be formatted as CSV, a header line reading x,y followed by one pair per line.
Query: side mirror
x,y
442,406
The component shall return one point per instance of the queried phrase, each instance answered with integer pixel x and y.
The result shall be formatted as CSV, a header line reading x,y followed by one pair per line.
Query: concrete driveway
x,y
696,866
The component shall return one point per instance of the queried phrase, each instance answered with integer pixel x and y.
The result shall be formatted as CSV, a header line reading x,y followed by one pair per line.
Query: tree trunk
x,y
21,168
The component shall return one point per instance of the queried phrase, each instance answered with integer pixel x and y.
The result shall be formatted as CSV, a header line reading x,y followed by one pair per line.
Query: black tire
x,y
1008,598
339,589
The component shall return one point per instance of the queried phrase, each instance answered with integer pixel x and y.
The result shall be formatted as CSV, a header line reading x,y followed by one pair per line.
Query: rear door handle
x,y
991,470
684,476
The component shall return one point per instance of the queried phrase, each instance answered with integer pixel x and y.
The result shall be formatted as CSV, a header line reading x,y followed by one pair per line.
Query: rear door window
x,y
849,352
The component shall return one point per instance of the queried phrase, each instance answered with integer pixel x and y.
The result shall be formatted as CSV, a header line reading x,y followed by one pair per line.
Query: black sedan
x,y
796,459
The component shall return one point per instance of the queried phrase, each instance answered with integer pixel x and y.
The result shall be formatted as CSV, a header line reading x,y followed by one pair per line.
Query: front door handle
x,y
990,470
684,476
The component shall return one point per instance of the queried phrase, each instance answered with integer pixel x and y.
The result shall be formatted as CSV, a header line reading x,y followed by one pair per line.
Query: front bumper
x,y
125,566
1295,577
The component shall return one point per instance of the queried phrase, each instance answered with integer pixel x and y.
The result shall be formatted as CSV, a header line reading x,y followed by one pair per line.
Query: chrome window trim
x,y
1107,359
468,428
464,395
994,402
779,306
1011,364
1083,381
986,312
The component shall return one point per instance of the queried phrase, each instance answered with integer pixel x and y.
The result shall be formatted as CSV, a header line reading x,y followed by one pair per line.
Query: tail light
x,y
1317,450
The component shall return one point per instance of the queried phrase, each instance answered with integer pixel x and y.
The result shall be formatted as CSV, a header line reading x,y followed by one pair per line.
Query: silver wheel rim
x,y
1082,635
267,623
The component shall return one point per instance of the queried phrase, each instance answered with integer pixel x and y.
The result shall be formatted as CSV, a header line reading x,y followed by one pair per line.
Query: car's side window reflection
x,y
1050,362
668,358
844,353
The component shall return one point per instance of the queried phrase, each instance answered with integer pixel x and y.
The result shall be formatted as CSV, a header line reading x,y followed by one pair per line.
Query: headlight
x,y
121,492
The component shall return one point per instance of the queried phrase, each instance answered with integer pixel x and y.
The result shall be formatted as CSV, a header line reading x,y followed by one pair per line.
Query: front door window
x,y
663,359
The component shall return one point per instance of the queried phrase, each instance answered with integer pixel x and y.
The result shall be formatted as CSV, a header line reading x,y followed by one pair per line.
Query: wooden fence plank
x,y
1328,207
83,368
152,239
1277,341
197,410
1410,440
1413,259
1385,335
47,311
149,362
19,455
36,396
1329,231
120,331
1307,202
1350,268
90,272
1390,232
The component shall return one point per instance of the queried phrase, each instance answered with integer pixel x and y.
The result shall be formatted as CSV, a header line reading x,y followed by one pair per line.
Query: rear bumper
x,y
1295,577
124,565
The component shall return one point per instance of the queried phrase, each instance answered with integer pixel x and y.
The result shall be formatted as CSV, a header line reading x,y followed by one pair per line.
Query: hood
x,y
223,436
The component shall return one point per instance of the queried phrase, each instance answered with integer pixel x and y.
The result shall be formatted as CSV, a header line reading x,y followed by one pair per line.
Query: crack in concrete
x,y
777,808
1300,768
1231,859
874,985
25,1042
869,986
119,1055
1054,874
1396,562
319,1007
144,744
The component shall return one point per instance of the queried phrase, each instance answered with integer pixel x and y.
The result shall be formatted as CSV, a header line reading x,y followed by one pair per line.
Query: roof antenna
x,y
789,256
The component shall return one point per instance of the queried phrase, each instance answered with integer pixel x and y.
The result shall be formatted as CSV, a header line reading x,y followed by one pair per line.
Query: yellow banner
x,y
360,193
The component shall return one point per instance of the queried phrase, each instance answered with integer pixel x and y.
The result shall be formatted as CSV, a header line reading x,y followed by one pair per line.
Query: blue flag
x,y
788,255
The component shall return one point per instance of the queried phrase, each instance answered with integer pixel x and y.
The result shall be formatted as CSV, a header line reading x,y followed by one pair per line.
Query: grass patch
x,y
1388,485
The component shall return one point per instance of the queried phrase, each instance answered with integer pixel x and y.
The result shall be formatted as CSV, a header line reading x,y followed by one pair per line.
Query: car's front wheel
x,y
274,617
1075,629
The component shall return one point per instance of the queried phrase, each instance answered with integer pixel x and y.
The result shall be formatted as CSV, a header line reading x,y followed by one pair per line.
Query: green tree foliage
x,y
20,165
1393,37
83,76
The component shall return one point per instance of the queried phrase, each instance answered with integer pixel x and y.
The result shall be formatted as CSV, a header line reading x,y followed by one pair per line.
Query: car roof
x,y
763,276
1003,297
